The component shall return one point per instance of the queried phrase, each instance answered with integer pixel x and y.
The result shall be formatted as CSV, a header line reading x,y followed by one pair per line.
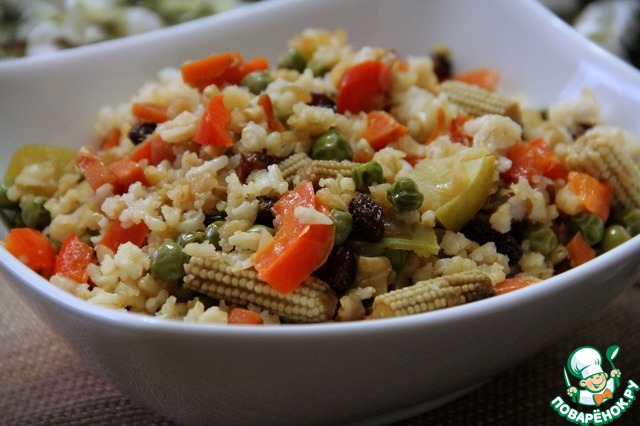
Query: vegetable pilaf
x,y
341,184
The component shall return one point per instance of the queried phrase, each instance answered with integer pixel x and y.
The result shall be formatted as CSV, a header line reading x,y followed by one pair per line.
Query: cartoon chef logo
x,y
585,363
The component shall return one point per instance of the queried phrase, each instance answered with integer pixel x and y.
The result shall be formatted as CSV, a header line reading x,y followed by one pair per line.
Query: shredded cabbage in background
x,y
34,27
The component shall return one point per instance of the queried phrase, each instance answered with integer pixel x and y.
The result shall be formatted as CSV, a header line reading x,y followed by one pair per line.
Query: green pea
x,y
318,68
541,238
257,81
589,225
292,59
190,237
331,145
366,175
212,233
344,225
614,235
34,214
167,262
258,229
405,195
396,257
5,202
630,219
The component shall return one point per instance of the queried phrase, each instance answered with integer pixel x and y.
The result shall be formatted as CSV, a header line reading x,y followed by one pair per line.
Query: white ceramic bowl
x,y
327,373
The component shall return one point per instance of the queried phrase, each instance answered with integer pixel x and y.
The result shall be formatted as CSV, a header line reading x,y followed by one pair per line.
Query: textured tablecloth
x,y
42,382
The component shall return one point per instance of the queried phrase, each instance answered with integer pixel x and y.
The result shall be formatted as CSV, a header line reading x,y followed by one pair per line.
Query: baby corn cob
x,y
476,101
290,165
321,169
312,301
436,293
606,159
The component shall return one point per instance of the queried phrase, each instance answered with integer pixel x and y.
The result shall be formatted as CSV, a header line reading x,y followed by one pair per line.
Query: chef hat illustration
x,y
584,362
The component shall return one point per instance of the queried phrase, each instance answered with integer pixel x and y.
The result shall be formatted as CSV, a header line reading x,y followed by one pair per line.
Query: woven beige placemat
x,y
43,383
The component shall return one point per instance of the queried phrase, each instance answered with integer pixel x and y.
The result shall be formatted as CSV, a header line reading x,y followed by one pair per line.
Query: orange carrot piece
x,y
154,150
382,129
212,69
149,112
274,124
579,250
112,139
73,259
595,196
243,316
487,78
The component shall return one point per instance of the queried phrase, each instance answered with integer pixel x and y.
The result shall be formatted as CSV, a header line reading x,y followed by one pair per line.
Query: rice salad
x,y
341,184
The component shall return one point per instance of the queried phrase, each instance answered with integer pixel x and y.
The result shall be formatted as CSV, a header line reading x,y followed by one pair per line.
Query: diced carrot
x,y
364,87
117,235
274,124
127,172
33,249
243,316
579,250
214,69
154,150
487,78
382,129
149,112
73,259
213,128
595,196
95,171
514,283
297,249
112,139
259,63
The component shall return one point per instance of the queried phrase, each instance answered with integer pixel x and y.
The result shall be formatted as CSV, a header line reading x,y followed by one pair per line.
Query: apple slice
x,y
456,190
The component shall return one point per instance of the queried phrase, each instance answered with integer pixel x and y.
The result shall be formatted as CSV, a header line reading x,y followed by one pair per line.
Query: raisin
x,y
265,215
480,231
139,133
339,271
368,221
209,218
322,100
442,66
250,161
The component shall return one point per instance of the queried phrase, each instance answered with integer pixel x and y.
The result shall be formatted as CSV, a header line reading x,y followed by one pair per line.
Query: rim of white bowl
x,y
552,285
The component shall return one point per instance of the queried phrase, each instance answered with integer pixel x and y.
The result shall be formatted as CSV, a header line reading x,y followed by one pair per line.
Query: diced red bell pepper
x,y
117,235
213,128
364,87
73,259
382,129
33,249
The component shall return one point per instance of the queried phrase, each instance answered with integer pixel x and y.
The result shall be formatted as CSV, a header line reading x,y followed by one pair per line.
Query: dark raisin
x,y
141,132
368,223
265,215
339,271
322,100
442,66
209,218
479,230
250,161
